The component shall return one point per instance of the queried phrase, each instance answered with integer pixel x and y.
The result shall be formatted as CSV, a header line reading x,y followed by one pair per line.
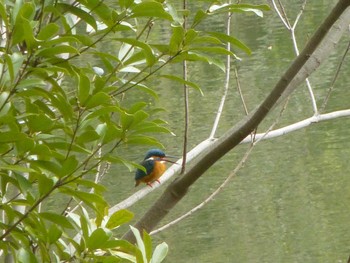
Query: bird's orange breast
x,y
158,170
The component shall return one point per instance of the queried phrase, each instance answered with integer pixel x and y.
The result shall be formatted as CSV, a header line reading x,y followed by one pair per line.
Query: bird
x,y
154,164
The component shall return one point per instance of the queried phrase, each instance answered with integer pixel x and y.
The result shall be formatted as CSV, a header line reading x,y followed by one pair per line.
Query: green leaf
x,y
182,81
198,18
100,98
118,218
8,137
16,168
118,160
41,150
31,83
87,136
100,9
125,52
83,88
139,116
162,48
137,107
176,39
130,69
23,183
102,111
79,12
205,40
98,188
57,219
146,49
62,104
88,198
56,50
190,35
14,63
3,14
54,233
98,239
139,242
146,89
159,253
23,30
143,140
39,123
125,3
45,184
197,56
24,146
126,120
215,50
149,127
25,256
148,245
69,165
150,9
49,166
257,9
83,221
232,40
42,106
138,58
48,31
10,67
112,133
64,39
177,17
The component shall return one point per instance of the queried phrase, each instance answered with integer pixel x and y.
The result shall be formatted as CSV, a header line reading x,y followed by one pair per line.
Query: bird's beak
x,y
169,156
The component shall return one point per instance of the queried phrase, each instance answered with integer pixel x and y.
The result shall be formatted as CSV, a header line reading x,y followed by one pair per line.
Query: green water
x,y
290,202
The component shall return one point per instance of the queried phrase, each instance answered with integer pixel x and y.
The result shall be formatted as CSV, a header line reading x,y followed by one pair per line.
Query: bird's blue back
x,y
149,165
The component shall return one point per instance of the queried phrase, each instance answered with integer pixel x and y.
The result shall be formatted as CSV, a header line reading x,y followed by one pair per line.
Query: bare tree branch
x,y
227,80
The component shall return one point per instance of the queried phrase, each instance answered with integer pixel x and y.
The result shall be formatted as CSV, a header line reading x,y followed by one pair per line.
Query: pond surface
x,y
290,202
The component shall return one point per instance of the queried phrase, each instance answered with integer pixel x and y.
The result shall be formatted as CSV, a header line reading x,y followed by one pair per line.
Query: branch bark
x,y
179,187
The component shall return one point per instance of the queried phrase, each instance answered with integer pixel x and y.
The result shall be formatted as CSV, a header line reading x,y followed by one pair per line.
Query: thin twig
x,y
284,18
240,93
121,63
331,88
186,104
227,80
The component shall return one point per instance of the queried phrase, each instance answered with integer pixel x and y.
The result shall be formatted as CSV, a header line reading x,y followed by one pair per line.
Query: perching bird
x,y
154,164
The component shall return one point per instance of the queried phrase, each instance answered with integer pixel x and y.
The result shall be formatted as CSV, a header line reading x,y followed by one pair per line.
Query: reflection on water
x,y
289,203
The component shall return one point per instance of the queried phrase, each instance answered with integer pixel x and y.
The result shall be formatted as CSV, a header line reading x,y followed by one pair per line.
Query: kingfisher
x,y
154,163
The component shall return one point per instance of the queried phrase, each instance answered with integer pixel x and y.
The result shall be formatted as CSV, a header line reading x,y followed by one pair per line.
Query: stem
x,y
227,79
186,104
80,113
240,93
144,78
129,50
324,104
284,19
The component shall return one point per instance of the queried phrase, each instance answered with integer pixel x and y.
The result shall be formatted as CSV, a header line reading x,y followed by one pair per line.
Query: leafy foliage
x,y
62,119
